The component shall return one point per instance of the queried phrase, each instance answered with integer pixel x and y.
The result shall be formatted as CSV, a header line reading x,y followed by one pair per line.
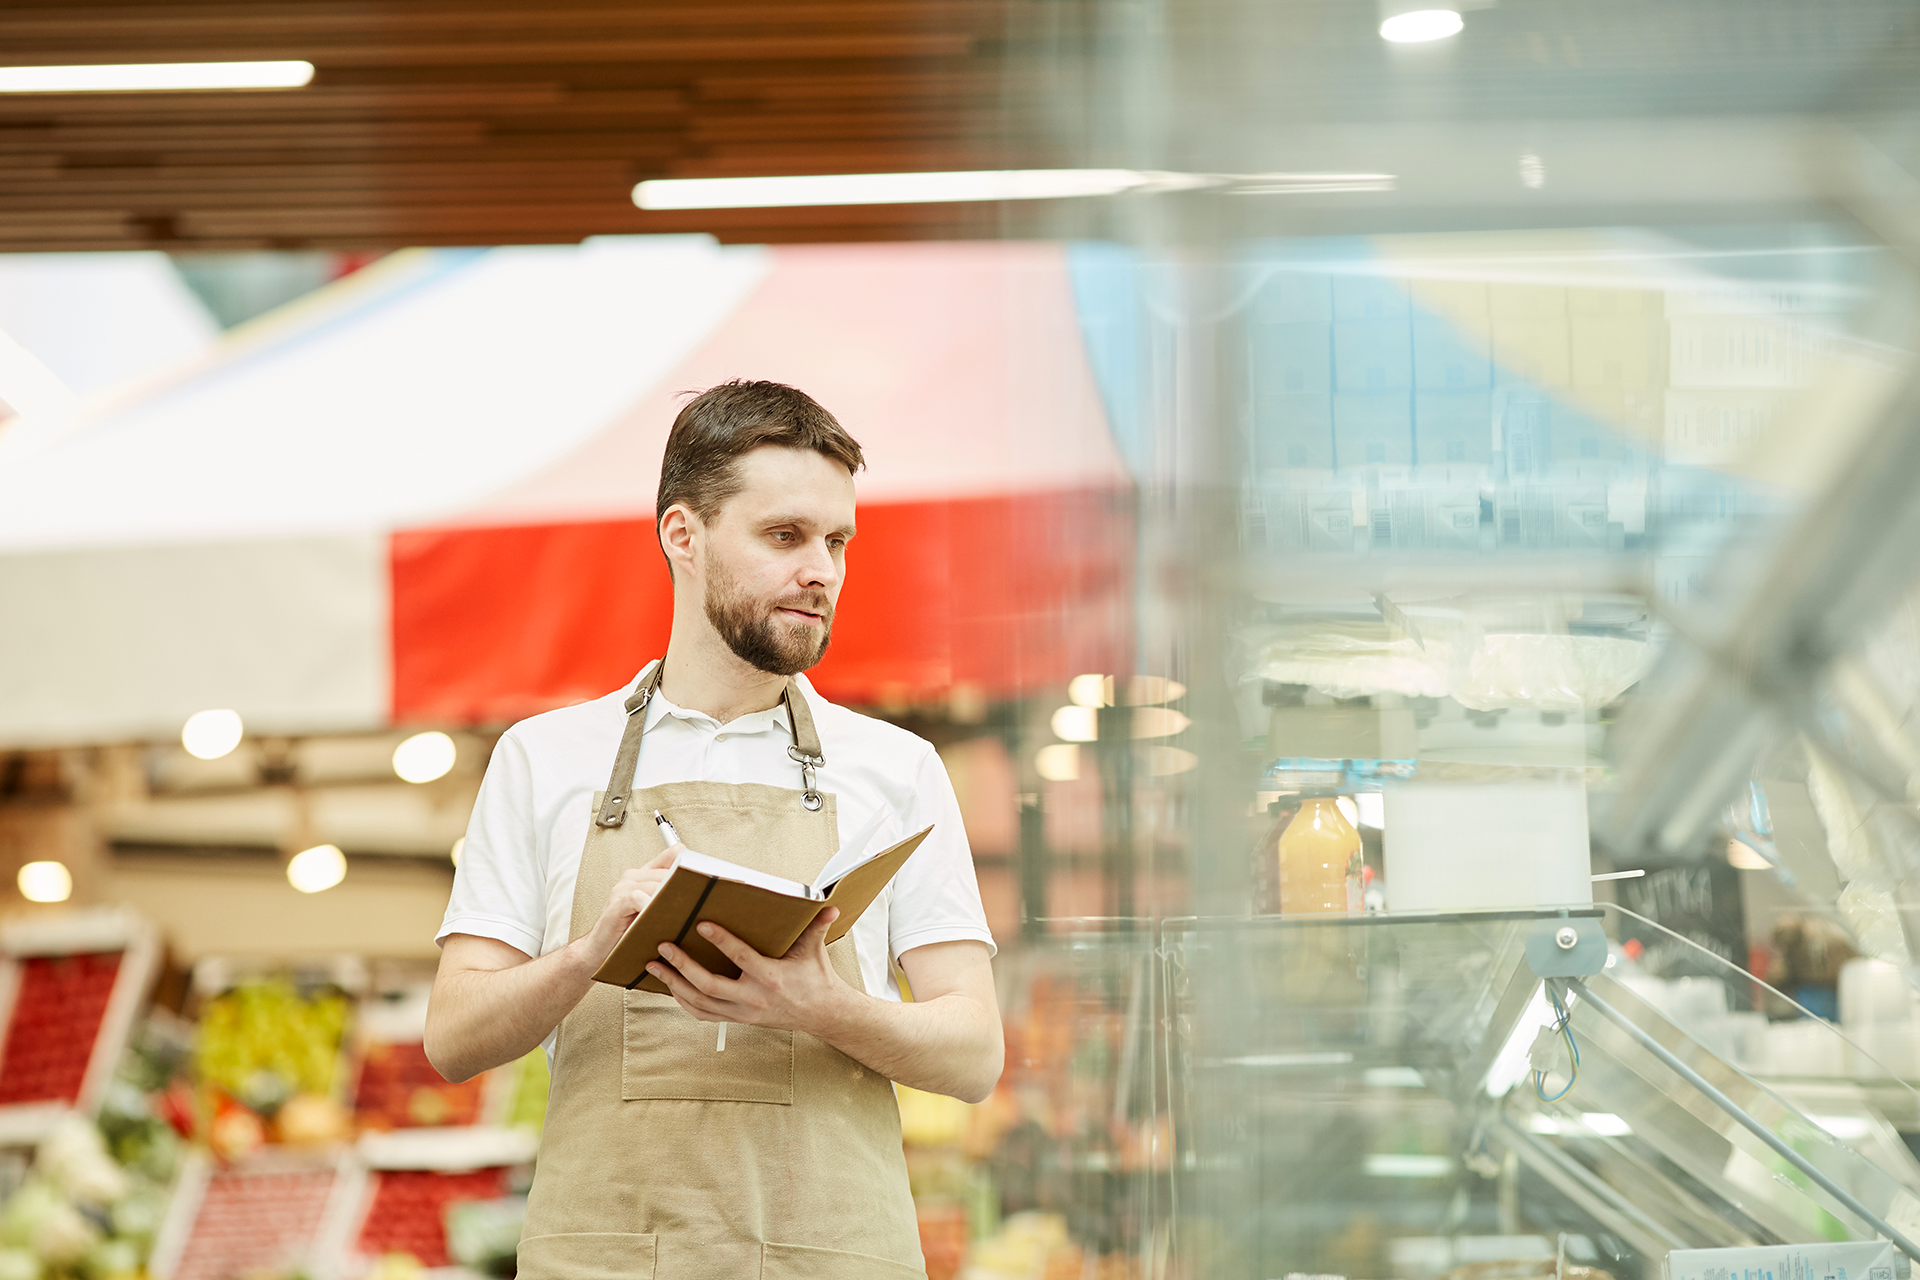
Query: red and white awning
x,y
425,493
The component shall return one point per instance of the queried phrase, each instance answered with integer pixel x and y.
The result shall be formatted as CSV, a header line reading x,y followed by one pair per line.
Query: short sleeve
x,y
499,890
936,897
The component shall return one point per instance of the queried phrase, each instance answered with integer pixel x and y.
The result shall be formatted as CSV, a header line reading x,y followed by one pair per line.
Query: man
x,y
740,1127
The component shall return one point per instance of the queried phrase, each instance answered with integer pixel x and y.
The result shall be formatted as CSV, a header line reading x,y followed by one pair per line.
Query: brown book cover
x,y
766,919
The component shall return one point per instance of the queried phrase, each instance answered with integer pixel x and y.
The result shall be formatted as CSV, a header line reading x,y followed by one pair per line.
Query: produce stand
x,y
71,988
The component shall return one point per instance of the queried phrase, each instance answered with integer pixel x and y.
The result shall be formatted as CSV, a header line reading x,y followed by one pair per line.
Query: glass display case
x,y
1363,1096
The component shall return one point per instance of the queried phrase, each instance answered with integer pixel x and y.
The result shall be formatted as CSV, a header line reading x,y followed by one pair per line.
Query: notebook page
x,y
851,855
707,865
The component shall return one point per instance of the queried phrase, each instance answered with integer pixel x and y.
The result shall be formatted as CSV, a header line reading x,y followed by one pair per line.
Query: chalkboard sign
x,y
1698,899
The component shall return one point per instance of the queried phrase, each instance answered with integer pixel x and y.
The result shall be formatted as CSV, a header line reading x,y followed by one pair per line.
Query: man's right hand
x,y
630,896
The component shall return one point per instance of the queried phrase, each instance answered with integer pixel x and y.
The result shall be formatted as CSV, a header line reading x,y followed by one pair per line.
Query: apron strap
x,y
613,810
804,752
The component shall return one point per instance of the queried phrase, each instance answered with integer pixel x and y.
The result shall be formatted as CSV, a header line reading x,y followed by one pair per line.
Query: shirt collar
x,y
659,707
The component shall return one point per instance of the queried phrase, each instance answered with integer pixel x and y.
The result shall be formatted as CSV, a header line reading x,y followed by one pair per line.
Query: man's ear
x,y
680,531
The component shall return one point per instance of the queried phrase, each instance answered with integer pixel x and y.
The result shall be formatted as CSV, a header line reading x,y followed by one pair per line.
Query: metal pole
x,y
1747,1122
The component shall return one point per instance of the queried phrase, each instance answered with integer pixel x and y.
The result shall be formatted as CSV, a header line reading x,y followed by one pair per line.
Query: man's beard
x,y
757,637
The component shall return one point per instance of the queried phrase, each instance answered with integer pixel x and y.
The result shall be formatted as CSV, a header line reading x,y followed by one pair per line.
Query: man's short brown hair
x,y
715,429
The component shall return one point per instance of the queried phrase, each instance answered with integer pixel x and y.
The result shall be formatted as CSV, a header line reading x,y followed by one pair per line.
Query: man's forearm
x,y
480,1018
949,1045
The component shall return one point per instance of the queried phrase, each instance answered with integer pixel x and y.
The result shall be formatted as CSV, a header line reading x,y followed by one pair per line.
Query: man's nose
x,y
817,568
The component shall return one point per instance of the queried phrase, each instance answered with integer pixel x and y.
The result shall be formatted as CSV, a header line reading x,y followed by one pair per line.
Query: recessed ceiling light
x,y
425,756
961,186
317,869
1421,25
149,77
212,734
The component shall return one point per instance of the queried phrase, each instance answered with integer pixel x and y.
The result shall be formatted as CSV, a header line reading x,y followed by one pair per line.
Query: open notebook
x,y
766,912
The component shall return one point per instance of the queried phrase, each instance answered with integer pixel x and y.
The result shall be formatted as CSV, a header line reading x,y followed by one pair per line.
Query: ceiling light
x,y
1059,762
888,188
1606,1124
1421,25
1158,722
1144,691
1393,1078
1091,691
1387,1164
424,757
45,882
1076,723
211,734
320,867
959,186
143,77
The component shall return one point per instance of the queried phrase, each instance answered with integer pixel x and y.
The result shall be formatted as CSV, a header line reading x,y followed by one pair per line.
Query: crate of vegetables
x,y
396,1087
275,1211
418,1178
71,988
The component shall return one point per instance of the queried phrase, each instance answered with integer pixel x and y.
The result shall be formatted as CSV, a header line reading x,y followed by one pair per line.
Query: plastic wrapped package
x,y
1551,672
1446,655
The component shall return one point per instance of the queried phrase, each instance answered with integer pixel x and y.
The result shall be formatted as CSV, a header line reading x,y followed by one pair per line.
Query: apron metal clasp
x,y
810,798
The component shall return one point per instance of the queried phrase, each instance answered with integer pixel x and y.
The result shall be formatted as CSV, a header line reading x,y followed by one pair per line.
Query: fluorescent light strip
x,y
961,186
146,77
1620,875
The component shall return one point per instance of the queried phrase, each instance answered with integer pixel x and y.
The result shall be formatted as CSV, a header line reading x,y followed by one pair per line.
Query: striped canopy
x,y
425,493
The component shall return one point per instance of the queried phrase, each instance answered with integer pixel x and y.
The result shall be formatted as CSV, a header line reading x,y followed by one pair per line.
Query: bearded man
x,y
674,1150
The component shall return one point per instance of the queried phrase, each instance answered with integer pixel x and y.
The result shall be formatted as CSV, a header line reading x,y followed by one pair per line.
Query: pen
x,y
666,828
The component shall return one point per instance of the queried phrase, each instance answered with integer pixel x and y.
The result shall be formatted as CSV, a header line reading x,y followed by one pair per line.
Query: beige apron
x,y
664,1158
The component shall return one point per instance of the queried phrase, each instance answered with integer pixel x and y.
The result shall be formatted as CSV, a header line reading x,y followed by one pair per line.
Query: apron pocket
x,y
586,1255
803,1262
669,1053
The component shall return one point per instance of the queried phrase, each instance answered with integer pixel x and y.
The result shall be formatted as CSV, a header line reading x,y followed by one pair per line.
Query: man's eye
x,y
782,535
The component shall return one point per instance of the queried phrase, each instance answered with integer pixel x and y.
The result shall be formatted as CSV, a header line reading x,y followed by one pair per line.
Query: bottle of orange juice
x,y
1316,851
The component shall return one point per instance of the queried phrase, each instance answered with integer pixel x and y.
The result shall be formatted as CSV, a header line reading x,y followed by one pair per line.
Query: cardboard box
x,y
1616,302
1756,352
1368,298
1710,428
1451,357
1527,301
1287,296
1372,430
1452,426
1531,350
1292,431
1372,355
1450,299
1618,351
1290,359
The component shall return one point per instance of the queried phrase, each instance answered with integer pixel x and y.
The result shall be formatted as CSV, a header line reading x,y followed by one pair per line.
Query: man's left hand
x,y
797,992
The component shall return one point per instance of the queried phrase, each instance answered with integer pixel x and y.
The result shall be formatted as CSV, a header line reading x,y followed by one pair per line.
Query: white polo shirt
x,y
529,824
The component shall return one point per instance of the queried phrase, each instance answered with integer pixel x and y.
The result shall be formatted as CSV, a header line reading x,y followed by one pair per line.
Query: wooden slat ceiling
x,y
500,121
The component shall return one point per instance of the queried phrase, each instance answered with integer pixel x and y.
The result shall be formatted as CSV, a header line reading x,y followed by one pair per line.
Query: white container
x,y
1875,993
1885,1050
1506,845
1808,1047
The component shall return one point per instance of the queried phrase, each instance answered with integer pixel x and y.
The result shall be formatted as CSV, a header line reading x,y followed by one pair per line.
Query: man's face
x,y
776,558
